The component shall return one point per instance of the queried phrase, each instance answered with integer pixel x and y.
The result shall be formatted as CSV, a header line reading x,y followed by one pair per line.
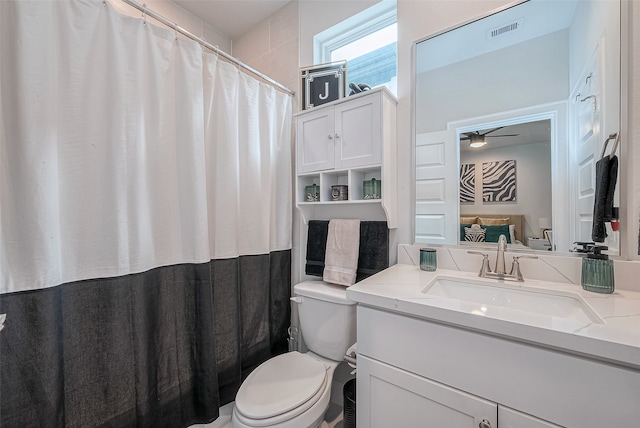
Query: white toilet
x,y
293,390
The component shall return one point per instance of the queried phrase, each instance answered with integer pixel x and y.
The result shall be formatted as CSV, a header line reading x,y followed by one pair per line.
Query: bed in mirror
x,y
511,112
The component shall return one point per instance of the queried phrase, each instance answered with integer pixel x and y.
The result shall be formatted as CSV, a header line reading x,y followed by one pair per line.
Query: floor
x,y
333,418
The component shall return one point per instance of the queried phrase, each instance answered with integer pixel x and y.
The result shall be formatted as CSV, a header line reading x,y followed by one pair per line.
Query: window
x,y
368,42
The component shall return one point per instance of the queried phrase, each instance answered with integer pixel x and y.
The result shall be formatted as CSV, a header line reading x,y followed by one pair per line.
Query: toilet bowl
x,y
288,391
293,390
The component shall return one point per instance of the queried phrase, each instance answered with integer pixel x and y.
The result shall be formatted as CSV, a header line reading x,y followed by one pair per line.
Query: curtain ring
x,y
144,14
175,28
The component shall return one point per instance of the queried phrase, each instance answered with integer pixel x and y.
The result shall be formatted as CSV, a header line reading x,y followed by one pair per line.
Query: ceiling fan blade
x,y
506,135
492,130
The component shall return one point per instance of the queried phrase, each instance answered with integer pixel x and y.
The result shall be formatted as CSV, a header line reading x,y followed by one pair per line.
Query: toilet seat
x,y
281,389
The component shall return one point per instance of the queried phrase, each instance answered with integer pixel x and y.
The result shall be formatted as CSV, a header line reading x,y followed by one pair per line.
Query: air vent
x,y
505,29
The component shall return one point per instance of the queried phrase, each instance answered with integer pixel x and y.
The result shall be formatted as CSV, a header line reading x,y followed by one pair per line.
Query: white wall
x,y
533,184
630,150
505,79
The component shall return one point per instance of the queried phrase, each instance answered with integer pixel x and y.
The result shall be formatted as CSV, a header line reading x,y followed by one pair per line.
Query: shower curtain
x,y
145,221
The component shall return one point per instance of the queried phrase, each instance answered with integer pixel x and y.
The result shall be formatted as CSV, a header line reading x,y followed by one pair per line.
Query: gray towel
x,y
316,246
606,178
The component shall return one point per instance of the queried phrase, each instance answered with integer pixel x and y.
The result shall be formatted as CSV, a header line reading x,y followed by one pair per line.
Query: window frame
x,y
362,24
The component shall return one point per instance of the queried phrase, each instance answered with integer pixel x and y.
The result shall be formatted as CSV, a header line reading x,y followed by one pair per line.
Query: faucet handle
x,y
515,266
485,262
478,253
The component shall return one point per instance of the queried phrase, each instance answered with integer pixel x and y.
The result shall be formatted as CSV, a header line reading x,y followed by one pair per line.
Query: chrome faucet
x,y
500,271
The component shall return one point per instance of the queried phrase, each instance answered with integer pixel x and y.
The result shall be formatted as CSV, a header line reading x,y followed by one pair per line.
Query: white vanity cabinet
x,y
509,418
415,372
347,142
396,398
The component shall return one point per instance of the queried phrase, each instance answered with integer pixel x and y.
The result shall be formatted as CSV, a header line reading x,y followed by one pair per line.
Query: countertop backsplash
x,y
555,268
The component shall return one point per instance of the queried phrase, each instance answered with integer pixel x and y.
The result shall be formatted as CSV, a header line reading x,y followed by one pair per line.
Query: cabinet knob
x,y
337,135
484,424
330,137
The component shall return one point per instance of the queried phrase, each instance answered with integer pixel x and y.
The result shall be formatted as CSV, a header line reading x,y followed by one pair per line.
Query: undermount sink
x,y
520,303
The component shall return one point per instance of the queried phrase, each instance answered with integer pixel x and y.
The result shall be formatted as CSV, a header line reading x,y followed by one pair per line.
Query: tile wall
x,y
555,268
271,47
176,14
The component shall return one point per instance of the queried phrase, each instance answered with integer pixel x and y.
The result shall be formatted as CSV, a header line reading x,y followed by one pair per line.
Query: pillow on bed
x,y
462,226
472,234
494,232
493,221
469,220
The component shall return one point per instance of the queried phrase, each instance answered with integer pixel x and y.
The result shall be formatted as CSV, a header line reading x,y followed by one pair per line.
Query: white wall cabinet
x,y
346,134
346,142
315,133
417,373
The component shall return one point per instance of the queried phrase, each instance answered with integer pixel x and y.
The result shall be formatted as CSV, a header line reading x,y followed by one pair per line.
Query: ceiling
x,y
528,133
232,17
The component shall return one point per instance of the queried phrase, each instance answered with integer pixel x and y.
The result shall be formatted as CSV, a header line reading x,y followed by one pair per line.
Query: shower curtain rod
x,y
146,11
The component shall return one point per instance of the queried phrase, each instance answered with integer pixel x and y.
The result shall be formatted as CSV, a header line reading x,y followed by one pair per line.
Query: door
x,y
358,132
315,140
436,217
390,397
586,142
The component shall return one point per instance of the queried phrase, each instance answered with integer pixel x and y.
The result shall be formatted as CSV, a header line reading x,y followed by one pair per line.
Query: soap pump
x,y
597,271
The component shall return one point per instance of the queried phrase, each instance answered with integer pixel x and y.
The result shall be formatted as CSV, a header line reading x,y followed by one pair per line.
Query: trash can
x,y
349,404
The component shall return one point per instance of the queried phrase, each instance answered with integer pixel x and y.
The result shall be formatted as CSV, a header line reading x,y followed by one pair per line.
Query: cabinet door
x,y
390,397
315,140
510,418
358,132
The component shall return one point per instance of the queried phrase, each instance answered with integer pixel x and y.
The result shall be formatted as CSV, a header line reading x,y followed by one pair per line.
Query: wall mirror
x,y
536,88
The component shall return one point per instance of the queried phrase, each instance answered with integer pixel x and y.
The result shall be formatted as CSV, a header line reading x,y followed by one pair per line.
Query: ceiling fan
x,y
478,139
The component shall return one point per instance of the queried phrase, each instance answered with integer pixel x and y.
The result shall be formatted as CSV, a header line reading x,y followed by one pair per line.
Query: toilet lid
x,y
280,385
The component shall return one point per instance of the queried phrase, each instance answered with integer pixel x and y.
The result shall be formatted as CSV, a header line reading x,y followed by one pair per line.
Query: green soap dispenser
x,y
597,271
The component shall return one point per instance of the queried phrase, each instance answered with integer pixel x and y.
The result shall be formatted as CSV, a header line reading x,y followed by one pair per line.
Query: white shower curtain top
x,y
124,149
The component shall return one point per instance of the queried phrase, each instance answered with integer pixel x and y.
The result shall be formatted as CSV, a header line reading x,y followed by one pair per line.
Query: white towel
x,y
341,254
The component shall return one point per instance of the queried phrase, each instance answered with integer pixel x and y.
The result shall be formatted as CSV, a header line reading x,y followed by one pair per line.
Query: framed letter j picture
x,y
323,83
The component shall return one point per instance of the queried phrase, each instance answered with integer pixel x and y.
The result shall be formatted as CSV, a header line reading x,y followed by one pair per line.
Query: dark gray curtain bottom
x,y
163,348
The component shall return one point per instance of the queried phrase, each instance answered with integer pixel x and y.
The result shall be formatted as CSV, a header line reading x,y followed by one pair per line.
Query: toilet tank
x,y
327,318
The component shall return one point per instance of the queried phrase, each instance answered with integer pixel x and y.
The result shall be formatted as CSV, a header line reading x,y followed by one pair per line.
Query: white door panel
x,y
585,139
436,216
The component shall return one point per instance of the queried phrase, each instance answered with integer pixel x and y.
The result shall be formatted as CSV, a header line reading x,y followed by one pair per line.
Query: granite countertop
x,y
606,327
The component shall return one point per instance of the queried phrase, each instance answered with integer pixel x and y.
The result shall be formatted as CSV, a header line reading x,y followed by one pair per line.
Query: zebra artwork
x,y
468,182
499,181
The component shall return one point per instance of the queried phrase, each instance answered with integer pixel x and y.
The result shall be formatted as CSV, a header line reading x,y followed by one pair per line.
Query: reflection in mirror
x,y
539,82
506,170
